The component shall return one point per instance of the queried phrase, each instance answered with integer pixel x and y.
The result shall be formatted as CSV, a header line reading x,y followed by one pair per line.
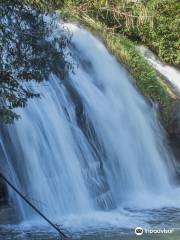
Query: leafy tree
x,y
28,53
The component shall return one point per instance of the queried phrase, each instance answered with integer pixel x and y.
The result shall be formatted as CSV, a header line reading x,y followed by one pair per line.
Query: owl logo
x,y
139,231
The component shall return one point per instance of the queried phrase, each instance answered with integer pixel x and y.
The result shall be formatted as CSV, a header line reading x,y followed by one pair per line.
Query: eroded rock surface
x,y
174,130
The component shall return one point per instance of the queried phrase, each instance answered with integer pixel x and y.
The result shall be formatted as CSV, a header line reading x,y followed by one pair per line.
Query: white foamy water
x,y
171,73
90,146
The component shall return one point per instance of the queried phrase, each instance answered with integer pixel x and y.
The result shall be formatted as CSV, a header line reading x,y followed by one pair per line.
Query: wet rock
x,y
174,130
174,123
3,193
8,212
8,215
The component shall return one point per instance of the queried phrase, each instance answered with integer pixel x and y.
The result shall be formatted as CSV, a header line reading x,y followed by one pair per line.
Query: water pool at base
x,y
113,225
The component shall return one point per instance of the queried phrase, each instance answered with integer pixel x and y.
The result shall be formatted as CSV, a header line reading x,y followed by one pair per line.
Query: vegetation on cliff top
x,y
154,23
147,80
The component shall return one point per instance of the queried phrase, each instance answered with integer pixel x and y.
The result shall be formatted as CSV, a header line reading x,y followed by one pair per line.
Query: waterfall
x,y
91,143
170,73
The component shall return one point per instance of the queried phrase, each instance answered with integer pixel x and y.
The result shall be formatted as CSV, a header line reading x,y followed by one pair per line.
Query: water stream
x,y
90,153
170,73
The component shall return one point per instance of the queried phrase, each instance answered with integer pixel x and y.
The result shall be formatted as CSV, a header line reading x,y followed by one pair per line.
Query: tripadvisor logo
x,y
139,231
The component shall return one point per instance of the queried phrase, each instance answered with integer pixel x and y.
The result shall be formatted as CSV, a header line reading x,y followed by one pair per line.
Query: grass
x,y
154,23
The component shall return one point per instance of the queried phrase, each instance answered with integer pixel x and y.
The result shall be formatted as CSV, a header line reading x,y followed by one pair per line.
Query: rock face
x,y
3,193
174,124
174,130
8,213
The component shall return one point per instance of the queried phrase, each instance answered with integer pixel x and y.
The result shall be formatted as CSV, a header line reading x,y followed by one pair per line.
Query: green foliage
x,y
26,55
163,37
154,23
45,5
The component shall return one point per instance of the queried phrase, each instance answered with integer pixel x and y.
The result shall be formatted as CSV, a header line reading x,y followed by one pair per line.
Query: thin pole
x,y
32,206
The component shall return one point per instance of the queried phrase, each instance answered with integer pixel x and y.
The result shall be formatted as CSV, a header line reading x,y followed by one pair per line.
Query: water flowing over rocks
x,y
90,152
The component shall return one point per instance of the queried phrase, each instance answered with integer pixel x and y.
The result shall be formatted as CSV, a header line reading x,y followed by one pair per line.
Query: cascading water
x,y
90,145
171,73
